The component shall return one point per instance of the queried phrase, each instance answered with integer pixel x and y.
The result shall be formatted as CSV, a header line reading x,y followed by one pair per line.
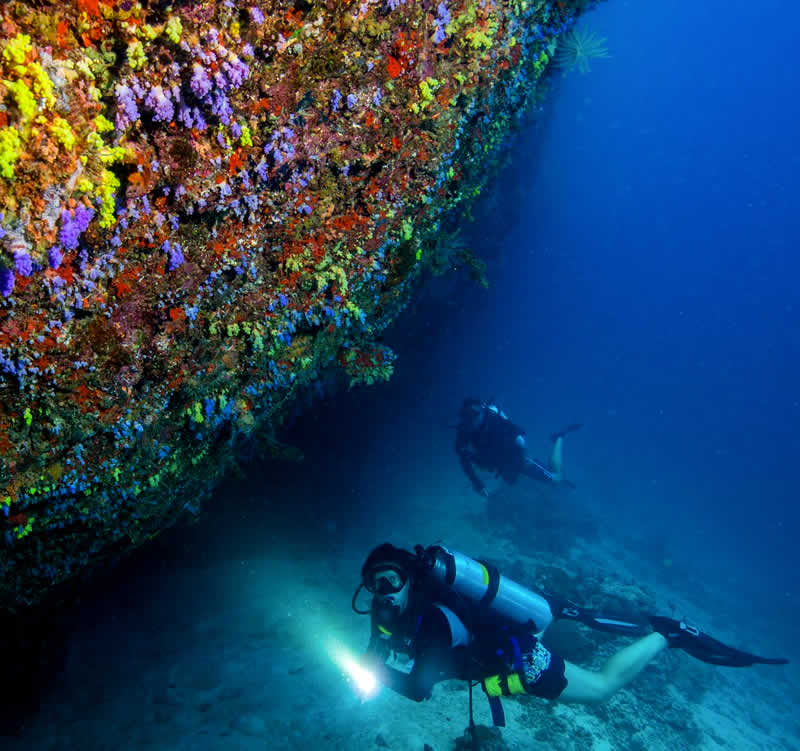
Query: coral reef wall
x,y
206,204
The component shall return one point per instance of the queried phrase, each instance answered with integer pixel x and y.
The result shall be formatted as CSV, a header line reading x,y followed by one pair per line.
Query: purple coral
x,y
160,103
22,263
6,281
54,256
83,216
221,107
442,21
199,120
200,83
191,118
221,81
281,141
256,15
127,111
174,255
237,72
74,225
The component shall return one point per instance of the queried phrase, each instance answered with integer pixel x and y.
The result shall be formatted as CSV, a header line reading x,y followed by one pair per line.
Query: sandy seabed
x,y
229,643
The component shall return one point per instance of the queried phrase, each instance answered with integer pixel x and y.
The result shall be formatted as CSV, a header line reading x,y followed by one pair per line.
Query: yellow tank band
x,y
492,686
485,575
515,685
384,631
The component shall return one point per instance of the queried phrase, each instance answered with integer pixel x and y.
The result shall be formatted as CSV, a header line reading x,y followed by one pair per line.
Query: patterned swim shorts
x,y
544,672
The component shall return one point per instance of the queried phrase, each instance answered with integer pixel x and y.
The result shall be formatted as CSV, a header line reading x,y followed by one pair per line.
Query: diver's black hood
x,y
389,554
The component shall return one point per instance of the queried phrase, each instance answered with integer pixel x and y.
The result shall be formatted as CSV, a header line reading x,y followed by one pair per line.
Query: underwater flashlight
x,y
364,680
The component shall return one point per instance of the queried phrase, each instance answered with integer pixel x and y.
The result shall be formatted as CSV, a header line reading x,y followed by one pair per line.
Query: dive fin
x,y
706,648
597,619
571,428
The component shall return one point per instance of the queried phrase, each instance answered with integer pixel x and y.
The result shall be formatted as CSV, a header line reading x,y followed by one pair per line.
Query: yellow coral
x,y
478,40
246,139
106,154
23,531
10,146
482,40
174,29
106,192
113,154
82,66
196,412
42,85
427,88
102,124
467,18
95,141
62,131
136,56
18,48
425,91
24,98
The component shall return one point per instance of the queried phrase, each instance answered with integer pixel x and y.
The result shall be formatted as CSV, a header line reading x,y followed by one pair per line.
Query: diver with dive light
x,y
456,617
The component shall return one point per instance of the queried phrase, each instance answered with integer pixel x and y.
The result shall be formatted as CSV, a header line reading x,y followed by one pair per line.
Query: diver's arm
x,y
416,685
377,651
431,661
394,679
465,457
469,471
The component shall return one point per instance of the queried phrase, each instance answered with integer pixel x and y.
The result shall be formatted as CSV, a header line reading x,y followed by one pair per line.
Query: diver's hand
x,y
370,660
484,492
367,683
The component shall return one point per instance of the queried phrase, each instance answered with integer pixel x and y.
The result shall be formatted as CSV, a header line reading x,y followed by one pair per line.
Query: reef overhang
x,y
205,205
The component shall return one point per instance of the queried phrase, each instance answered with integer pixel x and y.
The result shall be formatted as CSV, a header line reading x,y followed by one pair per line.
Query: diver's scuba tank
x,y
482,584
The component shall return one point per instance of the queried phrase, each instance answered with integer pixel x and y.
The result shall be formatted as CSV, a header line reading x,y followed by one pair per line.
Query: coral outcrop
x,y
205,205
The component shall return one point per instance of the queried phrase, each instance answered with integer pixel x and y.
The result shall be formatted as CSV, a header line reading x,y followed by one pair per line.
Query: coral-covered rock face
x,y
204,205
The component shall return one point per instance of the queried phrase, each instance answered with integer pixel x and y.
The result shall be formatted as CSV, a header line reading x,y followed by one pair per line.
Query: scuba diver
x,y
487,438
456,617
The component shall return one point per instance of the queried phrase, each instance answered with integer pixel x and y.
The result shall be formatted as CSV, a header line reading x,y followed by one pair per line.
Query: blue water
x,y
647,286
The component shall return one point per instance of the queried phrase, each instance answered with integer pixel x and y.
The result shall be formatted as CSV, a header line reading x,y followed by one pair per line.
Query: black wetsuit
x,y
488,439
435,636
